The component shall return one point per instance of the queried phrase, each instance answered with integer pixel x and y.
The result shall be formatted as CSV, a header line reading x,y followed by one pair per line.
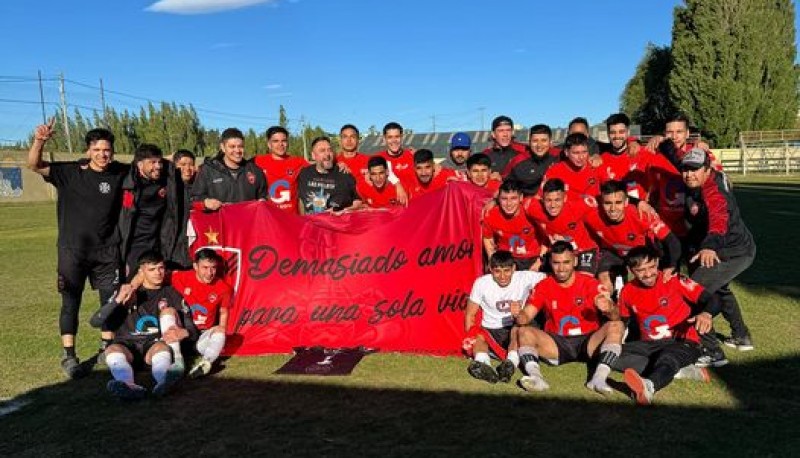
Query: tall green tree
x,y
734,66
646,98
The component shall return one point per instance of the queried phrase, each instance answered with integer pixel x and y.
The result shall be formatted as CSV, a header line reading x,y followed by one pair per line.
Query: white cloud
x,y
201,6
272,87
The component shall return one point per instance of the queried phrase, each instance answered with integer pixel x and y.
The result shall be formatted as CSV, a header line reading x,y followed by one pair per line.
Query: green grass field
x,y
401,405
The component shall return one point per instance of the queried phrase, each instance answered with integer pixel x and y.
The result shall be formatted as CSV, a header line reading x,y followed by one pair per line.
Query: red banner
x,y
393,280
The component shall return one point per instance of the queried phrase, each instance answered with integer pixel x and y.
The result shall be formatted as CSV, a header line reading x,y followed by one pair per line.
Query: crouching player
x,y
573,304
499,296
146,330
669,327
208,298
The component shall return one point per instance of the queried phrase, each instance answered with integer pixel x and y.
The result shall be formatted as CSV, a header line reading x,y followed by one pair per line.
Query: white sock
x,y
215,344
483,357
120,367
530,359
513,356
161,362
167,320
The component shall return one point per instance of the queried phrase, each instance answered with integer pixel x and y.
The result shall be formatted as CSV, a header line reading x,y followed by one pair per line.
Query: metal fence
x,y
770,152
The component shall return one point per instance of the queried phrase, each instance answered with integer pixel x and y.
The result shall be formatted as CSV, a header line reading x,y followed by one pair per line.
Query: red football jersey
x,y
204,300
402,166
661,311
415,189
629,233
357,165
568,225
377,198
569,311
578,183
666,191
515,234
282,179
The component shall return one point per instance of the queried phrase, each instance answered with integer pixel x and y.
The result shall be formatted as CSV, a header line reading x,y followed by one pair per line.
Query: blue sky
x,y
332,62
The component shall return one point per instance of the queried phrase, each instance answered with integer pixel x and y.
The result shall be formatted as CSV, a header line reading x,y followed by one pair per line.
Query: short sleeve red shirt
x,y
515,234
578,183
282,179
631,232
357,165
414,188
204,300
661,311
402,166
569,311
568,225
377,198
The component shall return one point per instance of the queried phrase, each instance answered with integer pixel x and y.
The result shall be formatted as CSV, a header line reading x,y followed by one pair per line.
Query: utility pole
x,y
64,116
303,133
103,103
41,98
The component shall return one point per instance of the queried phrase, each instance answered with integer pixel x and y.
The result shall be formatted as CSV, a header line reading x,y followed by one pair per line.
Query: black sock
x,y
70,351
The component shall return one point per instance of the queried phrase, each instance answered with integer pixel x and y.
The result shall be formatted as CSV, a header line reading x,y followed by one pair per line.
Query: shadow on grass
x,y
772,212
304,417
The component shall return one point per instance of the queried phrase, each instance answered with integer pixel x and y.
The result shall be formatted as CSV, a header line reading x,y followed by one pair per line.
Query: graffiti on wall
x,y
10,182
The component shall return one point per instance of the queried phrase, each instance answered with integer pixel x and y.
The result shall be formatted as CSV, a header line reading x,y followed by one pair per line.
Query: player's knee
x,y
168,311
615,329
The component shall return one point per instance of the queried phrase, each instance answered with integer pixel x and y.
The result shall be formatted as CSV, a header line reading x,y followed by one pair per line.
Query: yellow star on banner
x,y
211,236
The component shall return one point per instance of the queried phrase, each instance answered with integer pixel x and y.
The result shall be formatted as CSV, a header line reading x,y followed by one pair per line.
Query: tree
x,y
646,98
283,121
734,66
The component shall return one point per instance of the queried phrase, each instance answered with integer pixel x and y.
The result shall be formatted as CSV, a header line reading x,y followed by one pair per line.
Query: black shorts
x,y
138,349
587,261
501,336
101,266
610,262
572,348
640,354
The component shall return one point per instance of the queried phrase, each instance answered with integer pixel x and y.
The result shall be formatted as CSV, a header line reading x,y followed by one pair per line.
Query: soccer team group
x,y
565,230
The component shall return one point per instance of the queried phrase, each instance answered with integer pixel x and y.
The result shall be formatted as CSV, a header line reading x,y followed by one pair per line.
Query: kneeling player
x,y
147,317
209,299
669,327
572,304
499,295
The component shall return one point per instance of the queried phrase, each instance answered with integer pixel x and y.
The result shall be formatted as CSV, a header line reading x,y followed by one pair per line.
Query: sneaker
x,y
126,392
482,371
505,371
177,369
642,388
533,383
200,369
72,367
712,358
599,387
744,343
693,372
173,375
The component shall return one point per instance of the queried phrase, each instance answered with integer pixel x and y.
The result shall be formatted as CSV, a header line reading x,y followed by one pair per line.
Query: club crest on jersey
x,y
554,305
579,301
212,297
694,209
162,303
162,192
526,230
290,172
572,226
591,181
631,236
251,178
662,301
104,188
187,291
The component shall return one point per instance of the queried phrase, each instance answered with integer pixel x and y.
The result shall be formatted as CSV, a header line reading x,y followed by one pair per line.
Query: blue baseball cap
x,y
460,141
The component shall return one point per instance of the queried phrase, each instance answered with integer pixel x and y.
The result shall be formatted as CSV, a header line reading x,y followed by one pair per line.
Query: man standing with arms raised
x,y
88,208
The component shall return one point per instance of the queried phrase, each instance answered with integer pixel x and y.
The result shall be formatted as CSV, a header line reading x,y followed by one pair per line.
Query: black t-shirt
x,y
89,204
151,205
141,316
321,191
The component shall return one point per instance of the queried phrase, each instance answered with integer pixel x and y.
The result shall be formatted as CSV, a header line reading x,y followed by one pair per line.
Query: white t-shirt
x,y
496,301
